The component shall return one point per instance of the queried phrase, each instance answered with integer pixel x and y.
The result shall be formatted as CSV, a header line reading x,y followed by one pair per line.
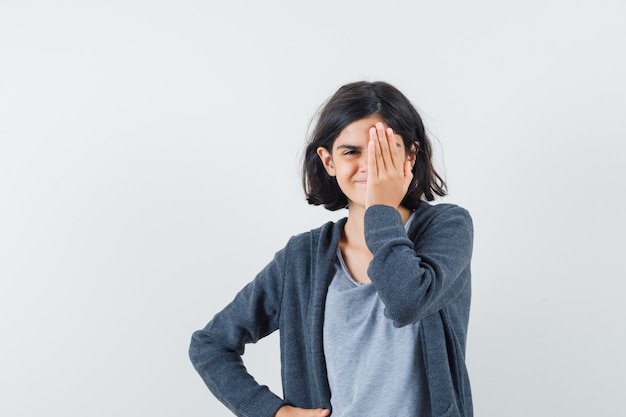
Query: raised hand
x,y
388,169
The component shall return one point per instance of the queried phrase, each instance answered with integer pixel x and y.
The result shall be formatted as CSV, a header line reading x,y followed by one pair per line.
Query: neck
x,y
354,229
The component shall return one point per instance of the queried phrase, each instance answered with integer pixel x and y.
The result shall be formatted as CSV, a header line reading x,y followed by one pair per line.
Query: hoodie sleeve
x,y
216,351
415,279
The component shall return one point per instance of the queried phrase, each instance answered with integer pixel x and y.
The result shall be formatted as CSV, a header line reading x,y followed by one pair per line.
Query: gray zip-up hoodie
x,y
423,276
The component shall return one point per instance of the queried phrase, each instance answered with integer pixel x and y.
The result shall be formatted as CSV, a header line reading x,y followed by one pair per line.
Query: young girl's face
x,y
347,160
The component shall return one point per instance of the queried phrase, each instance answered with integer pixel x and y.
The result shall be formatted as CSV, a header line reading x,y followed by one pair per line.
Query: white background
x,y
149,167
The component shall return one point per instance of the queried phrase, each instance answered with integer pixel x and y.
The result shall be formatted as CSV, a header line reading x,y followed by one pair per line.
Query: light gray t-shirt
x,y
374,369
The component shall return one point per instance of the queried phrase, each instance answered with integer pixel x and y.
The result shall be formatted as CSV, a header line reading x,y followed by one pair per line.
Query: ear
x,y
327,160
412,154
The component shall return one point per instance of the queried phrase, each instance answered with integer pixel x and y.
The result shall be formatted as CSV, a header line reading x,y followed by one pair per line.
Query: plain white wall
x,y
149,158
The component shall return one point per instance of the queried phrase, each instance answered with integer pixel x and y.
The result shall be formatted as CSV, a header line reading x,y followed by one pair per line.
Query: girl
x,y
372,309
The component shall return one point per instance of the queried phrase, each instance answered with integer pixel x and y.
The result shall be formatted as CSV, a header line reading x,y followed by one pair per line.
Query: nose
x,y
363,162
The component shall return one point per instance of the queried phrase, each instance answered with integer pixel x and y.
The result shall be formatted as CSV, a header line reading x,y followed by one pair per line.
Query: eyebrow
x,y
359,148
350,147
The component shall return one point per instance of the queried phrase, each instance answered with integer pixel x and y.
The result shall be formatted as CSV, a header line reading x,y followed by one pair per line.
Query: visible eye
x,y
349,151
351,154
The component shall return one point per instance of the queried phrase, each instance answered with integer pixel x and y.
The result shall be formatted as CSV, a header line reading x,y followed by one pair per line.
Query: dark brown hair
x,y
356,101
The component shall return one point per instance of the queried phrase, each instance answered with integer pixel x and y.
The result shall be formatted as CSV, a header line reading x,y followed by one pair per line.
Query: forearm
x,y
224,374
415,279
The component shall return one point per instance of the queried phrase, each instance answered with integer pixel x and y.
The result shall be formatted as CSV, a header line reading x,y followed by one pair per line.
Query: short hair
x,y
355,101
